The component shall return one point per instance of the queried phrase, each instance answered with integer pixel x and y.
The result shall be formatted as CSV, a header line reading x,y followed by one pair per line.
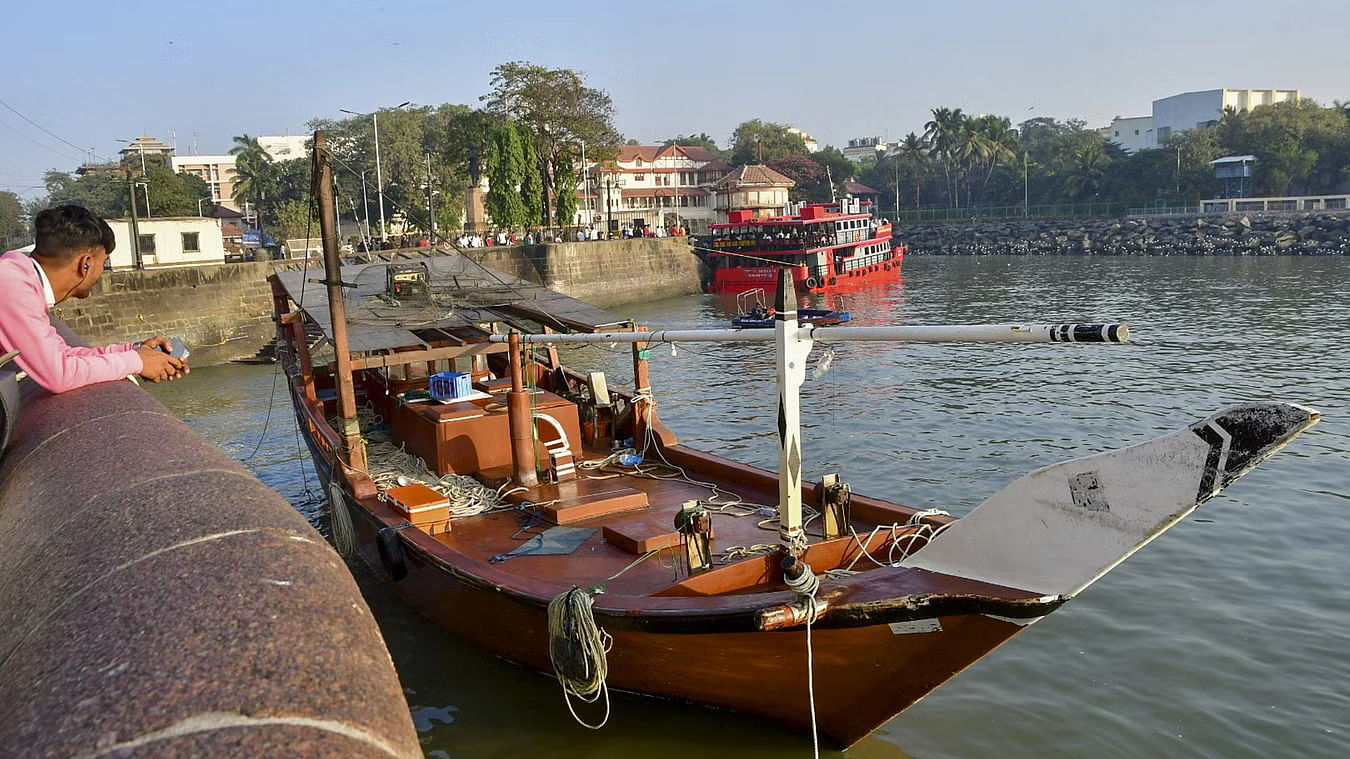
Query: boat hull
x,y
863,676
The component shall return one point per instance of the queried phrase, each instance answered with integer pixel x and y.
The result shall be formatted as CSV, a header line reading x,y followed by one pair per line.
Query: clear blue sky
x,y
92,71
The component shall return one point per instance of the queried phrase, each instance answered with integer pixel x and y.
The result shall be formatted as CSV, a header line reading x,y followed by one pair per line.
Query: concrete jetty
x,y
157,600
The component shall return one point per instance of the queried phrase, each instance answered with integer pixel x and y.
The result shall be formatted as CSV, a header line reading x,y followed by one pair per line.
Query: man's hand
x,y
163,344
158,365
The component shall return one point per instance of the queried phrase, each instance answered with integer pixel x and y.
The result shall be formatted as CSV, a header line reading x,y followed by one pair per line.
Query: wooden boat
x,y
855,609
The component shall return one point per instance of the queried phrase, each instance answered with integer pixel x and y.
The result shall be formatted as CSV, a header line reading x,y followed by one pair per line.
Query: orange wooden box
x,y
424,507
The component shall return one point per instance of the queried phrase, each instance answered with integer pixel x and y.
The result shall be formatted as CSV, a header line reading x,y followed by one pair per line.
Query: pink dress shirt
x,y
47,358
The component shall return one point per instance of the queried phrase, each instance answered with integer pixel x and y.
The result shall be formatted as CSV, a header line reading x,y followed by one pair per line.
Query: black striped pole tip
x,y
1089,333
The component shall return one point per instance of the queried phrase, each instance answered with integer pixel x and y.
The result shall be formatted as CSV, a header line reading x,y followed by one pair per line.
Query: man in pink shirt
x,y
72,246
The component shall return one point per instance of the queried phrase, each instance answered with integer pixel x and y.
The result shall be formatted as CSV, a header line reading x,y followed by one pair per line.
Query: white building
x,y
755,188
168,241
1189,110
1133,133
218,171
808,140
286,148
656,185
862,147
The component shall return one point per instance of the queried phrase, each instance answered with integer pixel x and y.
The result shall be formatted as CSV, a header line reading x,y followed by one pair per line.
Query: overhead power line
x,y
48,148
82,150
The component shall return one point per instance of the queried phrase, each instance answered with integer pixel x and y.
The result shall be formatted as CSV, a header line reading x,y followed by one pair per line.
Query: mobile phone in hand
x,y
177,349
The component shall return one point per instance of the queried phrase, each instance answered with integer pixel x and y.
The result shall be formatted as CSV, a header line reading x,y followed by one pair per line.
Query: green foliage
x,y
701,140
105,194
810,177
13,232
1301,147
506,174
758,141
532,186
561,113
565,204
293,220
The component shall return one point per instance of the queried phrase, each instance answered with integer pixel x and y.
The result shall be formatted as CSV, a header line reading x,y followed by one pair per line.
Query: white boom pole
x,y
793,342
954,333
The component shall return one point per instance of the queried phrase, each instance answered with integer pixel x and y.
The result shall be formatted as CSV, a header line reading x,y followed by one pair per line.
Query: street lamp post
x,y
379,173
199,205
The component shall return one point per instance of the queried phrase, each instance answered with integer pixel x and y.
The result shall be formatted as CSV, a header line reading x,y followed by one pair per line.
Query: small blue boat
x,y
760,317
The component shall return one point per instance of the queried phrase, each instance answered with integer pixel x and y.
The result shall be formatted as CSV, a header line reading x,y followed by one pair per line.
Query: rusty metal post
x,y
332,267
520,420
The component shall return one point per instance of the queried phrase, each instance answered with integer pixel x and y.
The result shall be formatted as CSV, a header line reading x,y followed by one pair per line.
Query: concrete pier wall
x,y
223,312
157,600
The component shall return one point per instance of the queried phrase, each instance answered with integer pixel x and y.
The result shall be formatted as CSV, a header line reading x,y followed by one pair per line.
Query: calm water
x,y
1228,637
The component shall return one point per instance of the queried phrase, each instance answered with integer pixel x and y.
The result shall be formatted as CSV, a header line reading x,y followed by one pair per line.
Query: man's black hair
x,y
63,231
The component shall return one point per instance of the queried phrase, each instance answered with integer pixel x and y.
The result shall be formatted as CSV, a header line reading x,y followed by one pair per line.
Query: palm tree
x,y
1088,170
913,153
255,174
996,143
943,134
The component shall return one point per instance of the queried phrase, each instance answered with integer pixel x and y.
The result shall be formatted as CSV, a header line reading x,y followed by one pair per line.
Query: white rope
x,y
805,586
577,648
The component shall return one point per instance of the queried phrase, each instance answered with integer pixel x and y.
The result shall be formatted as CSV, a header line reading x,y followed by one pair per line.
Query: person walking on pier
x,y
68,258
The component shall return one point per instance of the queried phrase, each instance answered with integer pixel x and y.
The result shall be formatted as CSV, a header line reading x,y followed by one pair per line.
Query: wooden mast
x,y
337,310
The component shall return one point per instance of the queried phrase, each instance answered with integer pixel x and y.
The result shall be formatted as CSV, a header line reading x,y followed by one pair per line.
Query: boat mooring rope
x,y
805,586
340,520
577,648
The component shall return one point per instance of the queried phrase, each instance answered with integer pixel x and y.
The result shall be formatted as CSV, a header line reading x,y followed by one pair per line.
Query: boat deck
x,y
483,538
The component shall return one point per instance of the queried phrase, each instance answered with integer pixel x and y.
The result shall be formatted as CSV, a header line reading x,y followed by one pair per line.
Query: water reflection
x,y
1223,638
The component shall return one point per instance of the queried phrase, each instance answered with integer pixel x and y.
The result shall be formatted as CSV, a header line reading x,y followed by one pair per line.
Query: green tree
x,y
105,194
944,135
13,232
1089,169
255,173
532,184
506,173
293,220
565,204
1300,146
701,140
756,141
560,111
812,185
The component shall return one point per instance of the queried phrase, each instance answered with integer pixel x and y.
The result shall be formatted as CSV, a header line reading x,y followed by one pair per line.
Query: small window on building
x,y
190,244
1136,133
1118,133
638,163
639,177
146,243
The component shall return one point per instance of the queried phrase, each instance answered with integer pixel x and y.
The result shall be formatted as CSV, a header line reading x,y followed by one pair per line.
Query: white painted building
x,y
286,147
218,171
808,140
168,241
861,147
1132,133
656,185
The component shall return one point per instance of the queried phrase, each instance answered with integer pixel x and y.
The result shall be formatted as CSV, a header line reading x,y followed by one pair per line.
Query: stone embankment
x,y
158,600
224,312
1315,234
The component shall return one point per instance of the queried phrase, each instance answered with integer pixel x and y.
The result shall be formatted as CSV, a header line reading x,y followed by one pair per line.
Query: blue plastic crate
x,y
449,385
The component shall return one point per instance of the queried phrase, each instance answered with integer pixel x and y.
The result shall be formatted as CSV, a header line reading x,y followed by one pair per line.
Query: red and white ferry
x,y
828,247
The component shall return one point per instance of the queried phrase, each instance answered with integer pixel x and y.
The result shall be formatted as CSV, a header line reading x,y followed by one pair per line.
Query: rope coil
x,y
577,648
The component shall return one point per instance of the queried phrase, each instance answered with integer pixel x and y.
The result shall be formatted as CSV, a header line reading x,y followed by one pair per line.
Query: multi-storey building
x,y
218,171
1188,110
862,147
653,185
